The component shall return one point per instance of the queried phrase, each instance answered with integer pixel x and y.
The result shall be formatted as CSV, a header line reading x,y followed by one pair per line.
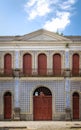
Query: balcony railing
x,y
6,72
40,73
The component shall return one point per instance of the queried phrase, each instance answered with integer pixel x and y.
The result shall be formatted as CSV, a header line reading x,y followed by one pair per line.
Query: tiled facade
x,y
22,86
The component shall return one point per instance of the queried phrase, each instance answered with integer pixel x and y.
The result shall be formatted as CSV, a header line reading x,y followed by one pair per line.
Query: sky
x,y
20,17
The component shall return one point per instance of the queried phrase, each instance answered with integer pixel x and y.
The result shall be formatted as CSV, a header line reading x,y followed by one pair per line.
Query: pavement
x,y
40,125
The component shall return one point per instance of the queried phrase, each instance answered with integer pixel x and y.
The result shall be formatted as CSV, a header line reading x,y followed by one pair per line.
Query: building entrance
x,y
7,105
75,106
42,104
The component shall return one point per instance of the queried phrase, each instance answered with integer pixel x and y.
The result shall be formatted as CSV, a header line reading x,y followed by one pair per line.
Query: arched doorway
x,y
75,106
8,64
42,104
75,65
27,64
42,64
7,105
57,64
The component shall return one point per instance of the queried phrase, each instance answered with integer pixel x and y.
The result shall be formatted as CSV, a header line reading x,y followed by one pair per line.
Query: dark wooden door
x,y
57,64
75,106
7,64
42,107
75,69
7,106
42,64
27,64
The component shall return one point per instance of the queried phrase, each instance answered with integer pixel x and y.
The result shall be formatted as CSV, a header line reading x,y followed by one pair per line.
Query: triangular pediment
x,y
43,35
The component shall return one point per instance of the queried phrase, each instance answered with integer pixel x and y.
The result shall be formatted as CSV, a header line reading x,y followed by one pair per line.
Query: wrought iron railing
x,y
6,72
40,73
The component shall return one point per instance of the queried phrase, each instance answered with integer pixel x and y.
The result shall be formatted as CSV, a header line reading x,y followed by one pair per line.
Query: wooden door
x,y
42,107
75,106
42,64
27,64
7,64
75,68
57,64
7,106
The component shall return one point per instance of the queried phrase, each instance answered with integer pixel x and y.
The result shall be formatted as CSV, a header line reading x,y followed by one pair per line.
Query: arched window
x,y
7,105
75,65
57,64
27,64
8,64
42,64
45,91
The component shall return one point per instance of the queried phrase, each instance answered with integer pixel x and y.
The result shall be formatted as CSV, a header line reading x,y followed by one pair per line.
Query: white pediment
x,y
43,35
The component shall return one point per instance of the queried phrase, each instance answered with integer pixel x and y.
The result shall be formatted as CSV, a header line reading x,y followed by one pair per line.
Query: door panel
x,y
7,107
42,107
75,106
42,64
8,64
27,64
57,64
75,69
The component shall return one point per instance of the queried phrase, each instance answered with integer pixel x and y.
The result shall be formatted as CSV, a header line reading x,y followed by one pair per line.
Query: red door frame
x,y
75,65
7,105
57,64
8,64
42,64
27,64
42,104
76,106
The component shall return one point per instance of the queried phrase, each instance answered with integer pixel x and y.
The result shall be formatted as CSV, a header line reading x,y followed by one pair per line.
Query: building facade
x,y
40,77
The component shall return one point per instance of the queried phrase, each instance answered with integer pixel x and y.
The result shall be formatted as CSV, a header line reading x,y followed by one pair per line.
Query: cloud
x,y
59,23
37,8
67,5
56,13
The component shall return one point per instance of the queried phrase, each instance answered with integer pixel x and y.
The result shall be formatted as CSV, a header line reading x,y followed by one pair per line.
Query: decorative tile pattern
x,y
67,59
56,87
76,85
67,90
16,92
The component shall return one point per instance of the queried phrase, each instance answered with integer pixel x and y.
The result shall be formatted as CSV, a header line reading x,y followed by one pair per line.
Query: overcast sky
x,y
19,17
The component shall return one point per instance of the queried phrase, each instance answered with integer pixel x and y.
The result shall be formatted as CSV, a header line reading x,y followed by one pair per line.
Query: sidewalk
x,y
41,125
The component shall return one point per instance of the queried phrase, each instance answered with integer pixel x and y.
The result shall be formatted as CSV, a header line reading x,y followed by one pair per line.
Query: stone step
x,y
13,128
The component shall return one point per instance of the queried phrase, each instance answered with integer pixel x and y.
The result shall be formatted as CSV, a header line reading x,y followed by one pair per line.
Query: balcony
x,y
6,72
76,72
40,73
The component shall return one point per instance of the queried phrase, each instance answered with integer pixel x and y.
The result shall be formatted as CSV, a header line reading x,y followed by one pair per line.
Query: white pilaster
x,y
67,92
16,93
16,80
67,64
16,59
